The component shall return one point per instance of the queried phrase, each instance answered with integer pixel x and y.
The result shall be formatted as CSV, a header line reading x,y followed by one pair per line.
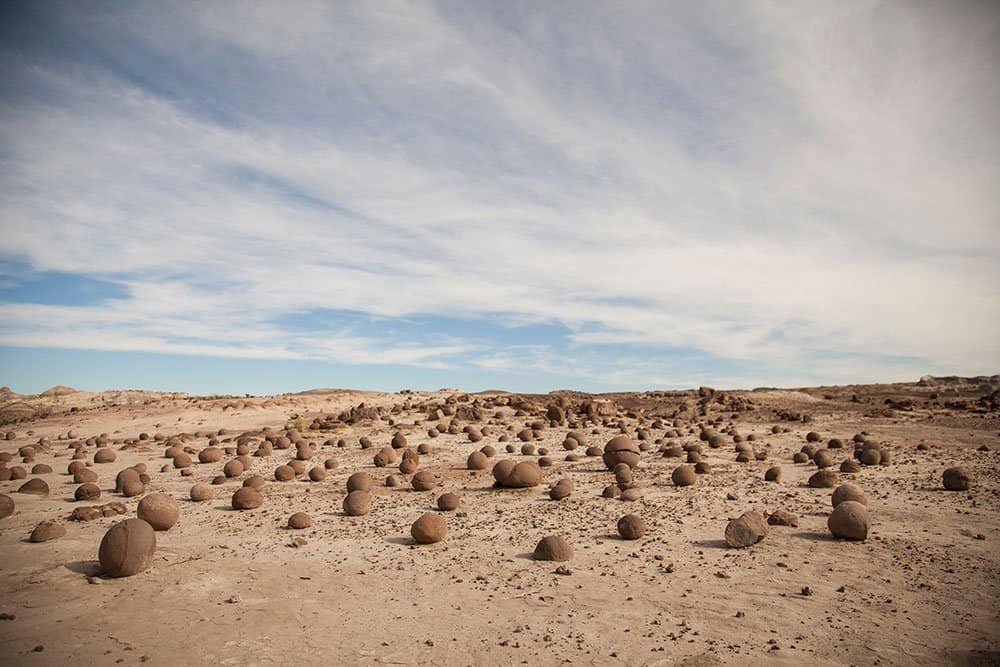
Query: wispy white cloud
x,y
784,186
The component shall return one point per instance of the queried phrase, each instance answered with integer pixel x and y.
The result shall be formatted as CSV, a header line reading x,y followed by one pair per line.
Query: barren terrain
x,y
241,587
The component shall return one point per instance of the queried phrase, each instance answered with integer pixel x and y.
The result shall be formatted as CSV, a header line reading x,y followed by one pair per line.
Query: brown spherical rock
x,y
524,475
299,520
284,473
408,465
502,470
398,441
773,474
823,458
846,492
554,548
47,530
957,479
87,491
429,528
631,495
247,498
360,481
683,476
824,479
298,467
34,487
6,505
105,455
477,461
746,530
127,548
849,521
800,457
385,457
159,510
256,482
423,481
317,473
210,455
448,502
562,489
611,491
201,492
233,468
850,466
358,502
621,449
182,460
41,469
631,527
870,456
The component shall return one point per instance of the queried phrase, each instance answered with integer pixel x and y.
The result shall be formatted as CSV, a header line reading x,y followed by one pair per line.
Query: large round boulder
x,y
127,548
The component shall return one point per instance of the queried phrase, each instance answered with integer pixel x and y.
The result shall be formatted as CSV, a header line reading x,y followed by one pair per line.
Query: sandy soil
x,y
231,587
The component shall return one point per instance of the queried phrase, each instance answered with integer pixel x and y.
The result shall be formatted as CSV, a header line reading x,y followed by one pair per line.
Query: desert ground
x,y
228,586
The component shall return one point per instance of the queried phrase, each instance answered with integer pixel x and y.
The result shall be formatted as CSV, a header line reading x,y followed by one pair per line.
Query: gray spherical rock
x,y
127,548
849,521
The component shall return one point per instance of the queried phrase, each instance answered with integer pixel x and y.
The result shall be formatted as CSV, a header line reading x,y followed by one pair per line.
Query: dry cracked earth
x,y
227,586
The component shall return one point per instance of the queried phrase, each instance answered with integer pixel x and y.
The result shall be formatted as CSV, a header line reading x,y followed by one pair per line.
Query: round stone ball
x,y
824,479
255,481
6,505
448,502
423,481
611,491
846,492
631,527
360,481
849,521
127,548
683,476
210,455
88,491
159,510
621,449
201,492
773,474
850,466
823,458
562,489
553,548
34,487
524,475
317,473
299,520
429,528
477,461
800,457
957,479
105,455
358,502
47,530
233,468
247,498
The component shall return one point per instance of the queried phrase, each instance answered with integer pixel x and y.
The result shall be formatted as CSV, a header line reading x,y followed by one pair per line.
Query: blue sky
x,y
268,197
